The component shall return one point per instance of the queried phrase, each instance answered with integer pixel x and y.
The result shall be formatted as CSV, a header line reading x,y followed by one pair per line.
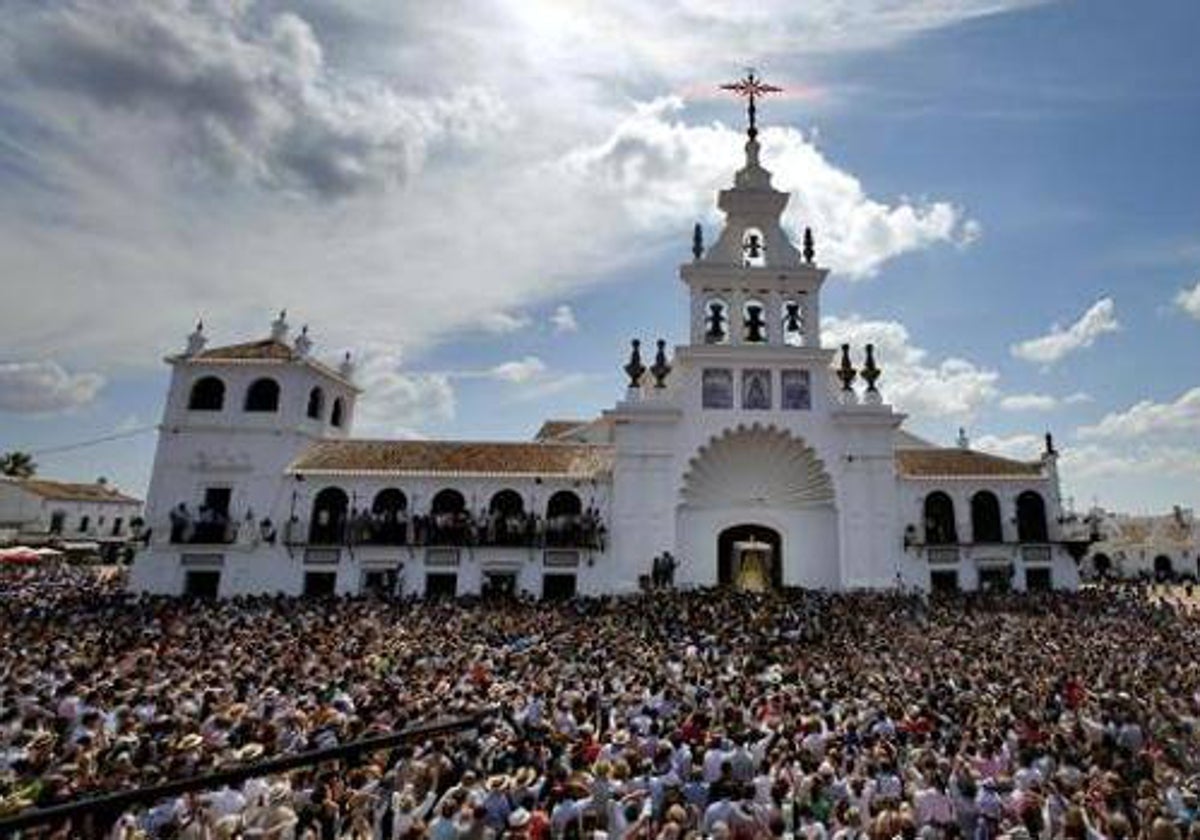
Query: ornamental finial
x,y
661,367
697,242
751,88
846,371
634,369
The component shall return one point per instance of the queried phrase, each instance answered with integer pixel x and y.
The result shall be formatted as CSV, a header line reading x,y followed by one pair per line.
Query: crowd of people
x,y
665,715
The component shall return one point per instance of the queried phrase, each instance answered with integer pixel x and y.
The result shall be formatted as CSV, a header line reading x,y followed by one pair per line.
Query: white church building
x,y
752,456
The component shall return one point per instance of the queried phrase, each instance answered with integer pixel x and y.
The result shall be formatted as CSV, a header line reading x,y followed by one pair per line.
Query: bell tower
x,y
753,286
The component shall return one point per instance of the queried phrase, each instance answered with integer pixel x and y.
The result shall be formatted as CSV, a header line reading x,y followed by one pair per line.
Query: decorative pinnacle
x,y
871,371
634,369
697,242
751,88
810,248
661,367
846,371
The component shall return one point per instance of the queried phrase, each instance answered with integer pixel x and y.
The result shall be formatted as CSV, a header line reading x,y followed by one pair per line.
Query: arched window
x,y
1031,518
263,395
1102,564
507,503
939,519
985,518
564,503
208,394
328,524
1164,569
316,403
754,322
389,522
716,321
335,414
754,249
447,501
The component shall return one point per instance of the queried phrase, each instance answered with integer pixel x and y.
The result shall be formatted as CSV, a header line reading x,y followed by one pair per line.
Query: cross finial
x,y
751,87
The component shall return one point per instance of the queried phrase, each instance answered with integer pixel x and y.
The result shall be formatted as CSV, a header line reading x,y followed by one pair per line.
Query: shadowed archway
x,y
727,562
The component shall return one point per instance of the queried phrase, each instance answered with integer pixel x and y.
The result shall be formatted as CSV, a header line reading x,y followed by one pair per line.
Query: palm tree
x,y
17,464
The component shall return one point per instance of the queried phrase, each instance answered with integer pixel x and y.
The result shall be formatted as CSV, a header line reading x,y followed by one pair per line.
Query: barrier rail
x,y
109,807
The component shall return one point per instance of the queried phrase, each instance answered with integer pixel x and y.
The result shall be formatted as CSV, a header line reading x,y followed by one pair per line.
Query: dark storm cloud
x,y
244,92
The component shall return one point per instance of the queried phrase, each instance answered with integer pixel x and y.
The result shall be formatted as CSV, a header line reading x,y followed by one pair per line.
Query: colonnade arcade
x,y
389,517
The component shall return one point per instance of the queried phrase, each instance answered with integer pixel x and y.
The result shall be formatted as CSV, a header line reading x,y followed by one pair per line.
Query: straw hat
x,y
518,818
524,777
498,782
249,752
189,742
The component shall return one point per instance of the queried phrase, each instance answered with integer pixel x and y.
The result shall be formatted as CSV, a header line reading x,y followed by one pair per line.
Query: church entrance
x,y
750,558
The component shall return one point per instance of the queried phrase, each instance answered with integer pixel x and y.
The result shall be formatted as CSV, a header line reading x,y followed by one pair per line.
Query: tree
x,y
17,464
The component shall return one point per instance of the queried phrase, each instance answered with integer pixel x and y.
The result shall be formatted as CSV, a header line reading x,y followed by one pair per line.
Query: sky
x,y
484,201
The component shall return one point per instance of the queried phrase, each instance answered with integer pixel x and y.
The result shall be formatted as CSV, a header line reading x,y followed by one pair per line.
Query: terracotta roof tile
x,y
66,491
267,348
557,428
457,457
960,463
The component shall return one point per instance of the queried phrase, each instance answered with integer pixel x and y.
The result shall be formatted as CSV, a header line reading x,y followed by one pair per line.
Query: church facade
x,y
753,456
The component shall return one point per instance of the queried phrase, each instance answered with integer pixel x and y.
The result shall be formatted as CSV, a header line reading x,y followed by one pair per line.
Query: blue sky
x,y
1005,192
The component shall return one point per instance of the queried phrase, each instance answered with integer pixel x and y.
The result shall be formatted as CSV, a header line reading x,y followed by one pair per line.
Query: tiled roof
x,y
454,457
66,491
960,463
264,349
552,429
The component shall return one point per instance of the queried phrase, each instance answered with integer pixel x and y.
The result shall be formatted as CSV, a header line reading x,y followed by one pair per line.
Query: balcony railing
x,y
1036,553
217,531
576,533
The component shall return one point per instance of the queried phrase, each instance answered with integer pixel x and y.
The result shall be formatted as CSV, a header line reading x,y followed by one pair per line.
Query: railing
x,y
942,553
1035,553
200,532
106,809
590,536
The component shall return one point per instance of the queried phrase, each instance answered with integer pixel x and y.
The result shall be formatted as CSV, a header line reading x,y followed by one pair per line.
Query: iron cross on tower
x,y
751,88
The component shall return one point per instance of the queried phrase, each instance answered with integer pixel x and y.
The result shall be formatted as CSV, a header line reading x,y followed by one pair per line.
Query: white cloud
x,y
1089,461
520,371
396,403
665,170
1029,402
1099,319
502,323
227,157
563,319
1189,300
240,90
1022,447
1041,402
952,387
1149,418
45,387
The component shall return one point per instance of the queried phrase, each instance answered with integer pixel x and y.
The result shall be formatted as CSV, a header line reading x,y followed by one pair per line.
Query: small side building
x,y
83,518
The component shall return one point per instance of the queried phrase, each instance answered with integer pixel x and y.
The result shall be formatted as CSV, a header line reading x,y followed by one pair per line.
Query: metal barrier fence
x,y
107,808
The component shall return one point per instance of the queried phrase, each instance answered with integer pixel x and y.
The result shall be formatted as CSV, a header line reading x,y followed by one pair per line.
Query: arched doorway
x,y
1031,518
328,523
750,557
1102,564
1164,569
769,479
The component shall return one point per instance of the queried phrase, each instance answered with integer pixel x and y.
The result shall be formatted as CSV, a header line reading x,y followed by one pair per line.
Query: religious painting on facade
x,y
716,388
756,390
796,390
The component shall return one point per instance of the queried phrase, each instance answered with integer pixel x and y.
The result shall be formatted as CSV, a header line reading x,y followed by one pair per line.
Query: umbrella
x,y
19,554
